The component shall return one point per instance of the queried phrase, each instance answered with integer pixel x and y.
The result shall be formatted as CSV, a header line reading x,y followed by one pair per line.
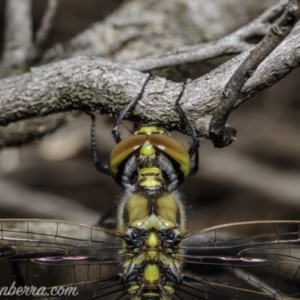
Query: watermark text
x,y
38,291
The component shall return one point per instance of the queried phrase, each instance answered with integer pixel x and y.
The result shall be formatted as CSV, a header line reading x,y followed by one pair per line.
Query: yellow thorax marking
x,y
150,181
150,177
150,171
167,208
137,208
140,216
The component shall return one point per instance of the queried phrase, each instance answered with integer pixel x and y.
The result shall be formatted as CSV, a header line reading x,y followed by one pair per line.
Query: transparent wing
x,y
47,253
251,260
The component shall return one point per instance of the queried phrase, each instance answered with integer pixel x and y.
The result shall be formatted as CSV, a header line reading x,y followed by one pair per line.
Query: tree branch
x,y
233,43
97,85
136,28
25,131
18,46
117,34
46,23
220,135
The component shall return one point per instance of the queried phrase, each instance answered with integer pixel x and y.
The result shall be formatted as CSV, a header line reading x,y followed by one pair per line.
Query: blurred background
x,y
255,178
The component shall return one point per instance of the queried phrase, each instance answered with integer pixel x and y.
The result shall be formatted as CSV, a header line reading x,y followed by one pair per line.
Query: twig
x,y
18,37
46,23
134,31
233,43
219,134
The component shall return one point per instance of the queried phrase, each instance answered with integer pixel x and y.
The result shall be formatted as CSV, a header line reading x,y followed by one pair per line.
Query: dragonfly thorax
x,y
152,227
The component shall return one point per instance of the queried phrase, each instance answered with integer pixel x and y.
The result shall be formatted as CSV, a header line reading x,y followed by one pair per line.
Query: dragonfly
x,y
150,255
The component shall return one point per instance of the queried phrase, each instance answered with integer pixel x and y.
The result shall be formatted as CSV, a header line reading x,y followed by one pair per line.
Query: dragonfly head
x,y
150,160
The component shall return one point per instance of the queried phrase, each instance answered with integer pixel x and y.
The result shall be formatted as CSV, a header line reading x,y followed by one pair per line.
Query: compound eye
x,y
123,150
174,149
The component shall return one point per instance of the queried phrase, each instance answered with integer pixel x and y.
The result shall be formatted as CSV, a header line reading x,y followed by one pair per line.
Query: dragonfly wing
x,y
251,260
47,254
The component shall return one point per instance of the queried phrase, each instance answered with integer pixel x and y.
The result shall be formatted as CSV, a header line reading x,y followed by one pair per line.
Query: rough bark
x,y
98,85
122,37
218,132
18,47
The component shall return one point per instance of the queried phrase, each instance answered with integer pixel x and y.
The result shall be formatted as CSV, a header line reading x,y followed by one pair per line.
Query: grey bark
x,y
95,84
18,47
98,85
219,134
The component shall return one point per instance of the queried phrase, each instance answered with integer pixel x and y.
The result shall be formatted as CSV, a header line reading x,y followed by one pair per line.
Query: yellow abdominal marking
x,y
152,239
151,274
